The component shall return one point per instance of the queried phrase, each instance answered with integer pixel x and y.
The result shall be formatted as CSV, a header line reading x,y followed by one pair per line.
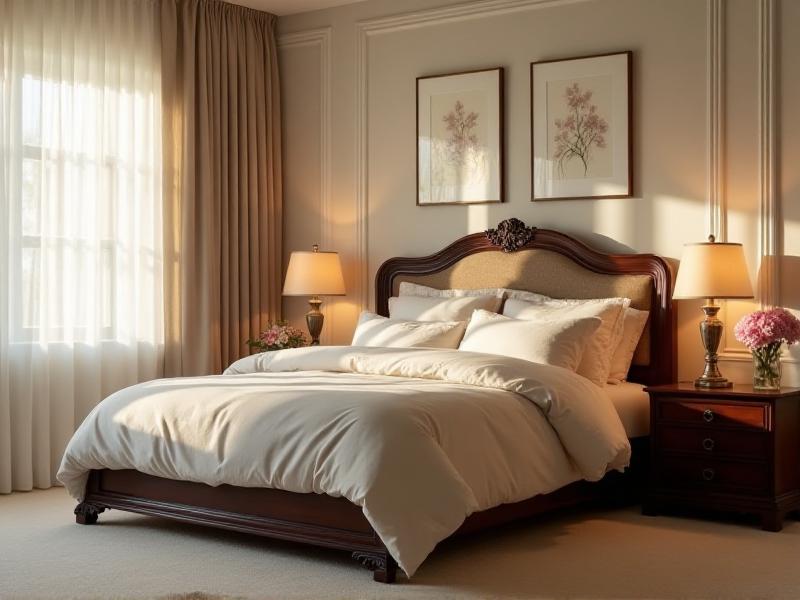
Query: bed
x,y
363,522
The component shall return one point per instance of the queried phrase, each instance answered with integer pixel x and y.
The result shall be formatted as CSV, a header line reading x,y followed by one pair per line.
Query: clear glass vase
x,y
767,367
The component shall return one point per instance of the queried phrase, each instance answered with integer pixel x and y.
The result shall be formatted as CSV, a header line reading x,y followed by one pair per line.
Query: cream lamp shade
x,y
713,270
314,274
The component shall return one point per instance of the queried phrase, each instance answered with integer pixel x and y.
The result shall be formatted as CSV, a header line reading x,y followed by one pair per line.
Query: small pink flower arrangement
x,y
766,327
764,332
279,336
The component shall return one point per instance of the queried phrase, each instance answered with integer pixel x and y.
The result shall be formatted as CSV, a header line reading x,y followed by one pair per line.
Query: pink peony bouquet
x,y
279,336
768,327
764,332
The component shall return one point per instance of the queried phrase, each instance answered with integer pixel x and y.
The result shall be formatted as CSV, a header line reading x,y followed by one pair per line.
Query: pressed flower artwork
x,y
580,135
459,154
580,128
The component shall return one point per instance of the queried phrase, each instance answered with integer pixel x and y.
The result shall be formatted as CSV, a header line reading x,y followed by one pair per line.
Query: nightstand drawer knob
x,y
708,444
708,416
708,474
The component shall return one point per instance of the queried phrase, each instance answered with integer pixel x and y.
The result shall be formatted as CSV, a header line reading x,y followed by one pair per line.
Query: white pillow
x,y
375,330
596,362
633,322
526,296
559,343
415,289
418,308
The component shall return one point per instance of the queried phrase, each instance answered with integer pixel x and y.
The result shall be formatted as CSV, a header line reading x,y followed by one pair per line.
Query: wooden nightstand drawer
x,y
714,442
745,415
714,475
728,449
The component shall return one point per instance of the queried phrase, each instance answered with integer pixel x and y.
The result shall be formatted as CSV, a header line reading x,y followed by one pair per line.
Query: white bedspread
x,y
418,438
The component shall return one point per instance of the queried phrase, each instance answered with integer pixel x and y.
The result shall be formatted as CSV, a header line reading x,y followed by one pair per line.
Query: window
x,y
79,230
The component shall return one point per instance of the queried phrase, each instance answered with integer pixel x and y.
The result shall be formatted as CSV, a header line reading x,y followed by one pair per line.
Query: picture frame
x,y
582,127
461,138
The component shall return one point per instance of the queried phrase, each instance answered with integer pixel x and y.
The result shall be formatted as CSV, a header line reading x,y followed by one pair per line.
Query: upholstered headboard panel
x,y
557,265
545,272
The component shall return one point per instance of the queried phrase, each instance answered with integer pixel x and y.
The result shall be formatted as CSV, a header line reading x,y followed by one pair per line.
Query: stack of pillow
x,y
595,338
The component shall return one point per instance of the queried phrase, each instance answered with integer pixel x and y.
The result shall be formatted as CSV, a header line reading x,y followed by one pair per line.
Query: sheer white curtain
x,y
81,302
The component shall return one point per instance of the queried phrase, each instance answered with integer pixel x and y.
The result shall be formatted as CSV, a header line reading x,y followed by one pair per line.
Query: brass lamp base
x,y
712,382
711,333
314,319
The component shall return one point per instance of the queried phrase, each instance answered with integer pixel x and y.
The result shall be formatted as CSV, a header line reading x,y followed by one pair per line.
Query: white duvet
x,y
418,438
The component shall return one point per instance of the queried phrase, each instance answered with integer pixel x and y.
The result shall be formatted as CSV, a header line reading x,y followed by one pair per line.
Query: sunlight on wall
x,y
615,219
743,229
478,218
687,223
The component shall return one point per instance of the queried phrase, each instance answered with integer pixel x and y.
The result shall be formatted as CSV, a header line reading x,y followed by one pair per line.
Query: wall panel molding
x,y
770,242
769,214
769,207
321,37
390,24
716,137
715,65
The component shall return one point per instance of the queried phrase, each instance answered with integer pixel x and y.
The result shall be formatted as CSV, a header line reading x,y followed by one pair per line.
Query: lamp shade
x,y
713,270
314,274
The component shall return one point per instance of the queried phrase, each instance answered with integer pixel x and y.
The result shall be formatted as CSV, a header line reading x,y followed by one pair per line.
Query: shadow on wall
x,y
603,243
790,292
789,269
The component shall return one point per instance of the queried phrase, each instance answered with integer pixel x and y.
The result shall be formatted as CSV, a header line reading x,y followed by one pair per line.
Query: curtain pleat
x,y
223,195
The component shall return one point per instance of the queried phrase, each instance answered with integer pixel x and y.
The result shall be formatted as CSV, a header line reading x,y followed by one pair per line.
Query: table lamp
x,y
314,274
712,270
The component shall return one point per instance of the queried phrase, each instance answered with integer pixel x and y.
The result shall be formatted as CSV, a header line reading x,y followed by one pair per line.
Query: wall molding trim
x,y
715,66
456,12
769,207
306,37
770,242
321,37
389,24
716,161
769,222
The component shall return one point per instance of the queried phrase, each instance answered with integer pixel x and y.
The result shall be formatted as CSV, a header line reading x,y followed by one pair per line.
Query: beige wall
x,y
348,78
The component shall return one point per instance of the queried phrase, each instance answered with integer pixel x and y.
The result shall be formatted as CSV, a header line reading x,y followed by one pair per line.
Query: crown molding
x,y
457,12
306,37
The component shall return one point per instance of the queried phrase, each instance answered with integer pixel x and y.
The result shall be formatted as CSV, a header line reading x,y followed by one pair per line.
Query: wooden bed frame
x,y
337,523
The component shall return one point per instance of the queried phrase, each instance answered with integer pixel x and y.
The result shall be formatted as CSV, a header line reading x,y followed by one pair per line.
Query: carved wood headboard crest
x,y
511,234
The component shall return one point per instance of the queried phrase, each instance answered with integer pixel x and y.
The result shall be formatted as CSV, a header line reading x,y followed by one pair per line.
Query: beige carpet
x,y
594,554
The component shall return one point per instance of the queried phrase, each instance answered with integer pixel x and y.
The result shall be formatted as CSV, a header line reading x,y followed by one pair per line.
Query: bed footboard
x,y
319,519
308,518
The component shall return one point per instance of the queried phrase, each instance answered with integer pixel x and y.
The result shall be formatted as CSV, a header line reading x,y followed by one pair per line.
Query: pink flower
x,y
278,336
765,327
581,130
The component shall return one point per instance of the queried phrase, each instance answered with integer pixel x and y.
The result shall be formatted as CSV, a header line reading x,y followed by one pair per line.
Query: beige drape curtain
x,y
222,181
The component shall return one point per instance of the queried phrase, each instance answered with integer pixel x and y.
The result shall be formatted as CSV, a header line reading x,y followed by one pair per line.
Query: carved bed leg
x,y
86,513
382,565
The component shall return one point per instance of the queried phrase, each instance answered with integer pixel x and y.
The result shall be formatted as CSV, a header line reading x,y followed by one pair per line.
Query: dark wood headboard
x,y
512,236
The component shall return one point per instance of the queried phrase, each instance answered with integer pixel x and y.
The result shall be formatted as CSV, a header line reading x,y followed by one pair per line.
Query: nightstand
x,y
731,449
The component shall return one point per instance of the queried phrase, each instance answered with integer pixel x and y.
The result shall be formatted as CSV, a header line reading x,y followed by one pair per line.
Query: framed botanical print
x,y
460,138
581,128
